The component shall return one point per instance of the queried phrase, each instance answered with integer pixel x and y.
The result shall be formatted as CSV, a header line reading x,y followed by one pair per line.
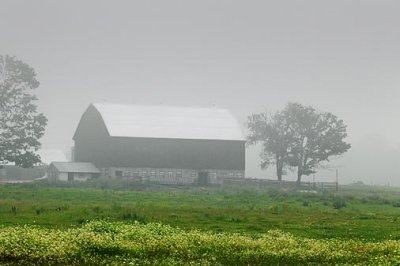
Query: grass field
x,y
366,215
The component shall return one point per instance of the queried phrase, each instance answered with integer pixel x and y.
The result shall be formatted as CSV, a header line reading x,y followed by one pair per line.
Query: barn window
x,y
118,173
106,172
178,174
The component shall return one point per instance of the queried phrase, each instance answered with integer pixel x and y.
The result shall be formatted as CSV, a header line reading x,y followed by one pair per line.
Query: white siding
x,y
172,176
82,176
63,177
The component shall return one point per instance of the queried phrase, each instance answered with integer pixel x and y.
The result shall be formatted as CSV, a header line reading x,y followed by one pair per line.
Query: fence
x,y
307,186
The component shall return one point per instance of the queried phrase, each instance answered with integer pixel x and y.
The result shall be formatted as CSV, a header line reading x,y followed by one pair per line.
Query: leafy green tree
x,y
21,125
297,137
318,137
276,136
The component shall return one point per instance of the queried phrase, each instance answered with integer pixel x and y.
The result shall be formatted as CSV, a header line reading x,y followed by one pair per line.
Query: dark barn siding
x,y
177,153
93,144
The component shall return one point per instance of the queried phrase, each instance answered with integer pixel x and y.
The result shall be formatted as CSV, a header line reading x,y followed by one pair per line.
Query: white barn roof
x,y
75,167
169,122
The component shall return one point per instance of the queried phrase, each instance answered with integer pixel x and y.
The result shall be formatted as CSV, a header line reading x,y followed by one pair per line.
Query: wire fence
x,y
304,185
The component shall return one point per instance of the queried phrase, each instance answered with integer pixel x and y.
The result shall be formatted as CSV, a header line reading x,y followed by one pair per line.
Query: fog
x,y
246,56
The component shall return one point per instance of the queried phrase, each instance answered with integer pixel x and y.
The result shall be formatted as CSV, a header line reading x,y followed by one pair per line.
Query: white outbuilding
x,y
72,171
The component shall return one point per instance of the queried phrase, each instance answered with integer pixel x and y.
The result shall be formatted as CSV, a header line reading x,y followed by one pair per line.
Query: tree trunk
x,y
279,174
299,174
279,170
300,161
3,173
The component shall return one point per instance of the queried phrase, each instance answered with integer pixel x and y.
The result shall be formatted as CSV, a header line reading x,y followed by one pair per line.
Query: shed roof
x,y
75,167
169,122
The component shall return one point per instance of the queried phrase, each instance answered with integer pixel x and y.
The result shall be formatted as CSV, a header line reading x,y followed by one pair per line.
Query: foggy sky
x,y
339,56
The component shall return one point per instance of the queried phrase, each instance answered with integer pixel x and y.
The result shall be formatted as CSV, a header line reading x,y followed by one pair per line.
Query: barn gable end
x,y
91,138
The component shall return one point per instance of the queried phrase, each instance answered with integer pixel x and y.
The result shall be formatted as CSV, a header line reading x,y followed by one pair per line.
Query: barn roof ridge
x,y
169,121
161,105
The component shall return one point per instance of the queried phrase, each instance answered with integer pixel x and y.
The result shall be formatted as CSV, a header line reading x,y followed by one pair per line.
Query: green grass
x,y
370,213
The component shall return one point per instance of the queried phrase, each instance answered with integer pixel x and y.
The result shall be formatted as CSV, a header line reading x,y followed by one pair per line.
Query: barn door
x,y
70,176
203,178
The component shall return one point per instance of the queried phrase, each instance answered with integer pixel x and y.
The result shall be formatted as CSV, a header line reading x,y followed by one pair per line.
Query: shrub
x,y
396,204
339,203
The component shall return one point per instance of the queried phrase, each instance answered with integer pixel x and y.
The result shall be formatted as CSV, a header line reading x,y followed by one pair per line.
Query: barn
x,y
166,144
